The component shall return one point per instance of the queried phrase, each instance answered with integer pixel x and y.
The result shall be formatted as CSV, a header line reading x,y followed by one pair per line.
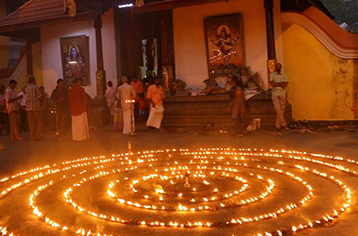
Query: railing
x,y
341,43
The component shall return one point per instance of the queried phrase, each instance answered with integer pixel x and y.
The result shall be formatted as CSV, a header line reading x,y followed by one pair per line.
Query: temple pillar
x,y
100,73
100,115
167,49
270,36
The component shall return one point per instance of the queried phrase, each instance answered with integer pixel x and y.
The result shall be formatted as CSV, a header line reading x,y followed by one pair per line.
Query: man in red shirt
x,y
78,101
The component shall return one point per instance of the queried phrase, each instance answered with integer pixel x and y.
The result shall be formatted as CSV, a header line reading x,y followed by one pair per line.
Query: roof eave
x,y
7,30
171,4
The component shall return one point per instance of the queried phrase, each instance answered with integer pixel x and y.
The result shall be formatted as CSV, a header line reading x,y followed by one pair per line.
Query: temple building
x,y
188,41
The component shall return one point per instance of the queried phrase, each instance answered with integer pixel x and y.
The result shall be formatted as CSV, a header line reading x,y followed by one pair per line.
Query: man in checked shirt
x,y
33,109
13,110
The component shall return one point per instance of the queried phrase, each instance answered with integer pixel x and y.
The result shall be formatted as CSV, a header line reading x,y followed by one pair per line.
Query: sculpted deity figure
x,y
226,43
75,67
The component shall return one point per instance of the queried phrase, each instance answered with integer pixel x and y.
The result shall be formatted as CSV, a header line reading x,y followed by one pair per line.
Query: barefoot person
x,y
59,97
238,109
155,95
138,88
278,81
126,93
33,109
23,116
13,110
78,102
110,96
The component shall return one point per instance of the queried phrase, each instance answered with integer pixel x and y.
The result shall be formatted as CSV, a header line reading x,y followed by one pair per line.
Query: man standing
x,y
155,95
12,109
278,81
110,96
138,88
60,98
23,115
33,109
127,94
4,118
78,101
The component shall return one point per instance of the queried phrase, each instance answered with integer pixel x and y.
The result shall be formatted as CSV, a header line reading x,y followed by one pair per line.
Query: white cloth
x,y
110,96
155,117
127,122
22,101
80,129
126,92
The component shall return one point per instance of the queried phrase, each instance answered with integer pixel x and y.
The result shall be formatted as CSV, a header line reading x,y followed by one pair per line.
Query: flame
x,y
159,189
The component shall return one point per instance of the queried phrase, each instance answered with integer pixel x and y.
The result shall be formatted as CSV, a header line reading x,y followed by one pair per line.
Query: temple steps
x,y
200,111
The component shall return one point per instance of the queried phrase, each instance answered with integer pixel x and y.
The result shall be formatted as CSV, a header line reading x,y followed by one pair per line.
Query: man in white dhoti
x,y
155,95
127,94
78,101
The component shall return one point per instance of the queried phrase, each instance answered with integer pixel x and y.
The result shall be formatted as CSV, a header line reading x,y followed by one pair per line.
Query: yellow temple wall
x,y
189,37
320,83
51,52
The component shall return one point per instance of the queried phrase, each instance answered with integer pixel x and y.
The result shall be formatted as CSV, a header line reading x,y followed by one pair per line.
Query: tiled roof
x,y
32,13
34,10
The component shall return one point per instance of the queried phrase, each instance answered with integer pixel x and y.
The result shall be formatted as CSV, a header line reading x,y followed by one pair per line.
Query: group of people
x,y
24,125
130,102
30,100
127,103
31,106
238,107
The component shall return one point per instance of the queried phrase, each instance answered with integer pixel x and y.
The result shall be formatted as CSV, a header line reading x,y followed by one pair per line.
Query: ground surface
x,y
16,213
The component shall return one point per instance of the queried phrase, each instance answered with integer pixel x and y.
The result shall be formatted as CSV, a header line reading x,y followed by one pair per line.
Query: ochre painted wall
x,y
189,37
320,84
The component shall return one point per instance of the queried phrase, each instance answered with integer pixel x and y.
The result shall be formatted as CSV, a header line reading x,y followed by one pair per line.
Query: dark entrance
x,y
144,42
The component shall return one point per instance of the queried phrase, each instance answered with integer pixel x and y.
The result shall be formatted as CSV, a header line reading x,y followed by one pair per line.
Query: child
x,y
118,117
142,108
239,114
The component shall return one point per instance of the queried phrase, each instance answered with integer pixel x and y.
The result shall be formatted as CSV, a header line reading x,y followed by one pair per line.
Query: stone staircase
x,y
202,110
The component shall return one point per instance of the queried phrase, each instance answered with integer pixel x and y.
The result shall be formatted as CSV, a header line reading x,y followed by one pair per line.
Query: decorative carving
x,y
99,82
139,3
70,5
271,66
225,44
167,74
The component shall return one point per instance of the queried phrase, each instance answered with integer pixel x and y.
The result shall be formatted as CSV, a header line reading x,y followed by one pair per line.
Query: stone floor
x,y
16,156
19,156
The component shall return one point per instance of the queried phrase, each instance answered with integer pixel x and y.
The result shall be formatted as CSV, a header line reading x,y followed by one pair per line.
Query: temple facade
x,y
103,41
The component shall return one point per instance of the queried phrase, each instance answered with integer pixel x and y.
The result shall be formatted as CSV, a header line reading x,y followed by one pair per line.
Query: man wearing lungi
x,y
156,96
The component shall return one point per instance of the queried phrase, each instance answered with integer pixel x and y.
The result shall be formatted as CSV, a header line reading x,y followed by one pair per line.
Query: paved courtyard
x,y
89,208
